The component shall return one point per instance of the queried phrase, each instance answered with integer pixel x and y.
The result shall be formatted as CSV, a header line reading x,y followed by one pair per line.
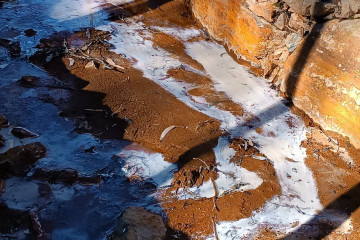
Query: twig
x,y
87,57
94,110
202,124
214,226
207,166
216,195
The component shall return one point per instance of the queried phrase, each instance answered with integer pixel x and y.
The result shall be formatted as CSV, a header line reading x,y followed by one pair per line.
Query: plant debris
x,y
167,130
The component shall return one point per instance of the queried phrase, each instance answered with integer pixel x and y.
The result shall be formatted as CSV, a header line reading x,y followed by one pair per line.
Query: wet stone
x,y
30,32
3,121
90,150
2,141
12,220
29,81
21,133
138,223
17,224
2,185
13,48
66,176
17,160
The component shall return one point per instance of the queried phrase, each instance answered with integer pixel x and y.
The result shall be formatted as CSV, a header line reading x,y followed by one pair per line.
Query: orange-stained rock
x,y
248,35
327,81
264,9
325,68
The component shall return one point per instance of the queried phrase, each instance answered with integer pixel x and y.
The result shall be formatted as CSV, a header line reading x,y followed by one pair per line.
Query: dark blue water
x,y
65,212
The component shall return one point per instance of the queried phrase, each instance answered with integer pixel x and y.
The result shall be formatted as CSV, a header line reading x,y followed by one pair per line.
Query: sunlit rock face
x,y
270,34
250,36
328,85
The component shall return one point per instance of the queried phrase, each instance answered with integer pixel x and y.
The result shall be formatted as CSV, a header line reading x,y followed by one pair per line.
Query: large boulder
x,y
136,223
325,83
250,36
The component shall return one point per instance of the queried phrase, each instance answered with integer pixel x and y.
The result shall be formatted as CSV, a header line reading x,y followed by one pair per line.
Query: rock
x,y
29,81
321,10
281,21
67,176
90,65
2,185
138,223
17,224
296,21
90,150
301,7
30,32
292,41
17,160
13,47
328,81
3,121
64,175
13,219
249,36
2,141
349,8
327,84
264,9
21,133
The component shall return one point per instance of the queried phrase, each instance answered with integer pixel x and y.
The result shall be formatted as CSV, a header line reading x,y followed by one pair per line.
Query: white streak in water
x,y
148,166
68,9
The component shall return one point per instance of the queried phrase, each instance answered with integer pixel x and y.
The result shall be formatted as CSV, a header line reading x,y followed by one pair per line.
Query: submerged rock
x,y
13,48
23,133
17,224
67,176
12,219
3,121
2,185
30,32
138,223
29,81
17,160
2,141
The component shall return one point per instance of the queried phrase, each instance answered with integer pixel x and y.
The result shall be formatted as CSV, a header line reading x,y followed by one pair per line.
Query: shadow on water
x,y
75,210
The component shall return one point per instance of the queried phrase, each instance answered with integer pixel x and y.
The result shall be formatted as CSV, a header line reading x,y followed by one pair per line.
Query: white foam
x,y
257,98
181,33
148,166
295,204
231,178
